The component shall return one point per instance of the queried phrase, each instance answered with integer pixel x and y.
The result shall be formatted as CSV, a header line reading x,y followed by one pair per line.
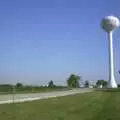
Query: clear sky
x,y
42,40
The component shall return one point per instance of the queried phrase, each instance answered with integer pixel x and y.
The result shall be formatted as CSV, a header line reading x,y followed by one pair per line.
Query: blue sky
x,y
42,40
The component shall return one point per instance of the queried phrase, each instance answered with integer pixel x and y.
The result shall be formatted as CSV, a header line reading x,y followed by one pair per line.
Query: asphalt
x,y
16,98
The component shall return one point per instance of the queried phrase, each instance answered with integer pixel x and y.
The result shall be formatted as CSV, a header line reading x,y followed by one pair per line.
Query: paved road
x,y
36,96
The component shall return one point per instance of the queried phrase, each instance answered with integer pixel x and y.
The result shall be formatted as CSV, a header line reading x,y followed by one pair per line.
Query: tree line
x,y
73,81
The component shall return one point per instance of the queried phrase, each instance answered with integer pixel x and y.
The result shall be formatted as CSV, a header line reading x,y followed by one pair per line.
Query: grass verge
x,y
88,106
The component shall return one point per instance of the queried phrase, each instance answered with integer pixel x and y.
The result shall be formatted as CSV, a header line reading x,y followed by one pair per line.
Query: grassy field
x,y
88,106
9,89
38,90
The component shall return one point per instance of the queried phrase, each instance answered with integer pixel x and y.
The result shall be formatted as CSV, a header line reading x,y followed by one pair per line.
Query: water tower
x,y
109,24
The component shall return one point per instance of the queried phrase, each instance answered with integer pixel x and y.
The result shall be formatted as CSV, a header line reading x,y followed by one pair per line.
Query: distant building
x,y
81,83
92,84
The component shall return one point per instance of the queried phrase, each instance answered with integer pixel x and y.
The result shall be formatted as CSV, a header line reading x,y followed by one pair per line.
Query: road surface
x,y
37,96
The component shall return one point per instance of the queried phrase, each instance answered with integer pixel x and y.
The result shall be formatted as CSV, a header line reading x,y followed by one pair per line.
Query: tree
x,y
73,81
118,85
101,82
98,83
51,84
19,85
86,84
105,83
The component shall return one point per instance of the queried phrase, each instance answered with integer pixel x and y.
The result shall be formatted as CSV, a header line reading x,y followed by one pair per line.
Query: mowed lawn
x,y
88,106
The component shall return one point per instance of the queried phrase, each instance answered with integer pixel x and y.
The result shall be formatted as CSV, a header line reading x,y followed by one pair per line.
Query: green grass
x,y
109,90
89,106
17,91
